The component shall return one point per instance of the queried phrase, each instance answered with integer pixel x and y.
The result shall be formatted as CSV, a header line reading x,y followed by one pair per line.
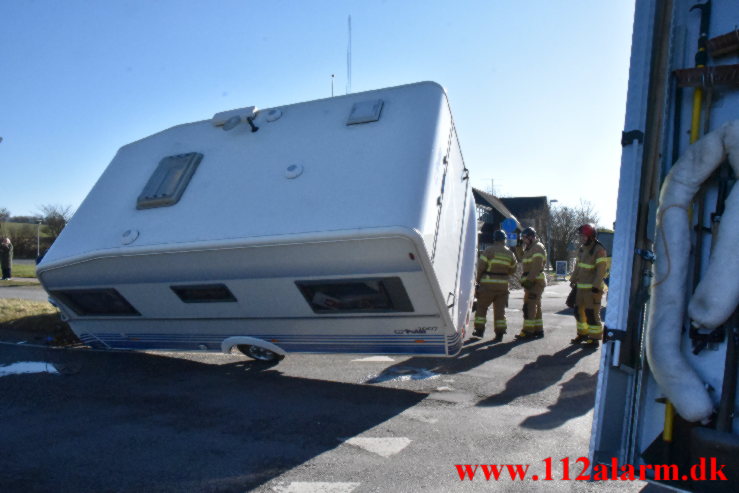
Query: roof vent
x,y
365,112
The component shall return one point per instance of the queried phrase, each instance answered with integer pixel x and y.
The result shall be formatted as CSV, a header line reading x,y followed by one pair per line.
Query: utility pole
x,y
549,231
38,238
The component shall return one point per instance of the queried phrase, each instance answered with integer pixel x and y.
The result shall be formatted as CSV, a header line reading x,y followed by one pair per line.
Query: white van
x,y
339,225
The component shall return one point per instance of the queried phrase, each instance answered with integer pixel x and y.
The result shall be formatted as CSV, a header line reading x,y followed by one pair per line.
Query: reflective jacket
x,y
495,264
591,267
534,259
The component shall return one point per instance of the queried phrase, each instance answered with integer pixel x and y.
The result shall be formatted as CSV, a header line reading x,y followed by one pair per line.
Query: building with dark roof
x,y
491,212
530,211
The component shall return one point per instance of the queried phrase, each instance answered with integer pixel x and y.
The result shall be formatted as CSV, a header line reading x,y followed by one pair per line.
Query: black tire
x,y
259,353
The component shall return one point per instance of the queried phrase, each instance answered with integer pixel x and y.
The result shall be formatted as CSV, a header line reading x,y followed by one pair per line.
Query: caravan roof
x,y
294,169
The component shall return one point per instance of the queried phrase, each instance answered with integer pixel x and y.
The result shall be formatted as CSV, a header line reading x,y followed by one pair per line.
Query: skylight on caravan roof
x,y
170,178
365,112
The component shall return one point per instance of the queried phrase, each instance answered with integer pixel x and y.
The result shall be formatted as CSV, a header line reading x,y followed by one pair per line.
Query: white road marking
x,y
384,447
315,487
376,358
27,367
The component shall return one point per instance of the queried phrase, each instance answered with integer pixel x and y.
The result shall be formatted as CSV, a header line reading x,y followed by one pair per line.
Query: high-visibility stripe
x,y
480,320
584,286
494,281
501,324
538,255
601,260
585,266
483,258
499,262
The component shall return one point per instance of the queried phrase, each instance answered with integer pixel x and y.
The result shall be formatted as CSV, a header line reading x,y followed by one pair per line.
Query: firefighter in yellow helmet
x,y
495,265
533,281
591,268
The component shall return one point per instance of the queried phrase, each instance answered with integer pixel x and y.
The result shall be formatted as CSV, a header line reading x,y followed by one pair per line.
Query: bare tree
x,y
563,229
4,214
56,217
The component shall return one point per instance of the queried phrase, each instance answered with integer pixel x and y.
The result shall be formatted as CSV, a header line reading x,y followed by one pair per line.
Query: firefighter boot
x,y
590,344
579,339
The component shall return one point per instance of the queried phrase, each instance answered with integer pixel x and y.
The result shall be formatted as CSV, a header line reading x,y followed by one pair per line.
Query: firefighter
x,y
533,280
495,265
587,278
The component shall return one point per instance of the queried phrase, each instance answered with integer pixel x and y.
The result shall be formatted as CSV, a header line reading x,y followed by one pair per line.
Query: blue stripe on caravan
x,y
393,344
454,344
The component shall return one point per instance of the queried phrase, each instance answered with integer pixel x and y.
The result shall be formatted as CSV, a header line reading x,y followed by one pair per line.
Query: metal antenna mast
x,y
349,60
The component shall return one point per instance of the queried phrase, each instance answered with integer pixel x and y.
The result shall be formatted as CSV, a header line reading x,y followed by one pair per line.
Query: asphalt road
x,y
33,293
113,421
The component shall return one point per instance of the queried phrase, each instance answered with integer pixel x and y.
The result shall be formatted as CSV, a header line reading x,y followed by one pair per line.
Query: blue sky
x,y
537,88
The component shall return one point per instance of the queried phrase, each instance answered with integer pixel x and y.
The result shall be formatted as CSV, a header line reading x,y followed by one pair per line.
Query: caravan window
x,y
87,302
169,180
204,293
379,295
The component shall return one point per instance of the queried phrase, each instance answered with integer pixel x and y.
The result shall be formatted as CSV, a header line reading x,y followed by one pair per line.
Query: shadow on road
x,y
473,354
576,398
133,421
538,375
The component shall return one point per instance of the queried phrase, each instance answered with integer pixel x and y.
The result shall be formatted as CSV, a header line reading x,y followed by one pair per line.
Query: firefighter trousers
x,y
533,323
491,295
587,313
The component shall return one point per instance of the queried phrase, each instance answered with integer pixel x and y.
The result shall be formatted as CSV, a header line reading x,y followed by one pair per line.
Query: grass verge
x,y
33,322
14,283
24,270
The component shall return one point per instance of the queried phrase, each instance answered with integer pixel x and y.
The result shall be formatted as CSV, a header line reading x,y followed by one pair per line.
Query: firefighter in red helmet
x,y
495,265
587,278
533,281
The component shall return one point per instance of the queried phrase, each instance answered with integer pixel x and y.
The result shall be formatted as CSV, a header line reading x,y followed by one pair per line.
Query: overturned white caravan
x,y
339,225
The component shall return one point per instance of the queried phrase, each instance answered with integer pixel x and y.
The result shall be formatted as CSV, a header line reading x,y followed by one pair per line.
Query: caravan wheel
x,y
259,353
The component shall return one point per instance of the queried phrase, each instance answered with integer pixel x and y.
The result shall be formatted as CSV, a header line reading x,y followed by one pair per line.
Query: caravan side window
x,y
204,293
91,302
377,295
